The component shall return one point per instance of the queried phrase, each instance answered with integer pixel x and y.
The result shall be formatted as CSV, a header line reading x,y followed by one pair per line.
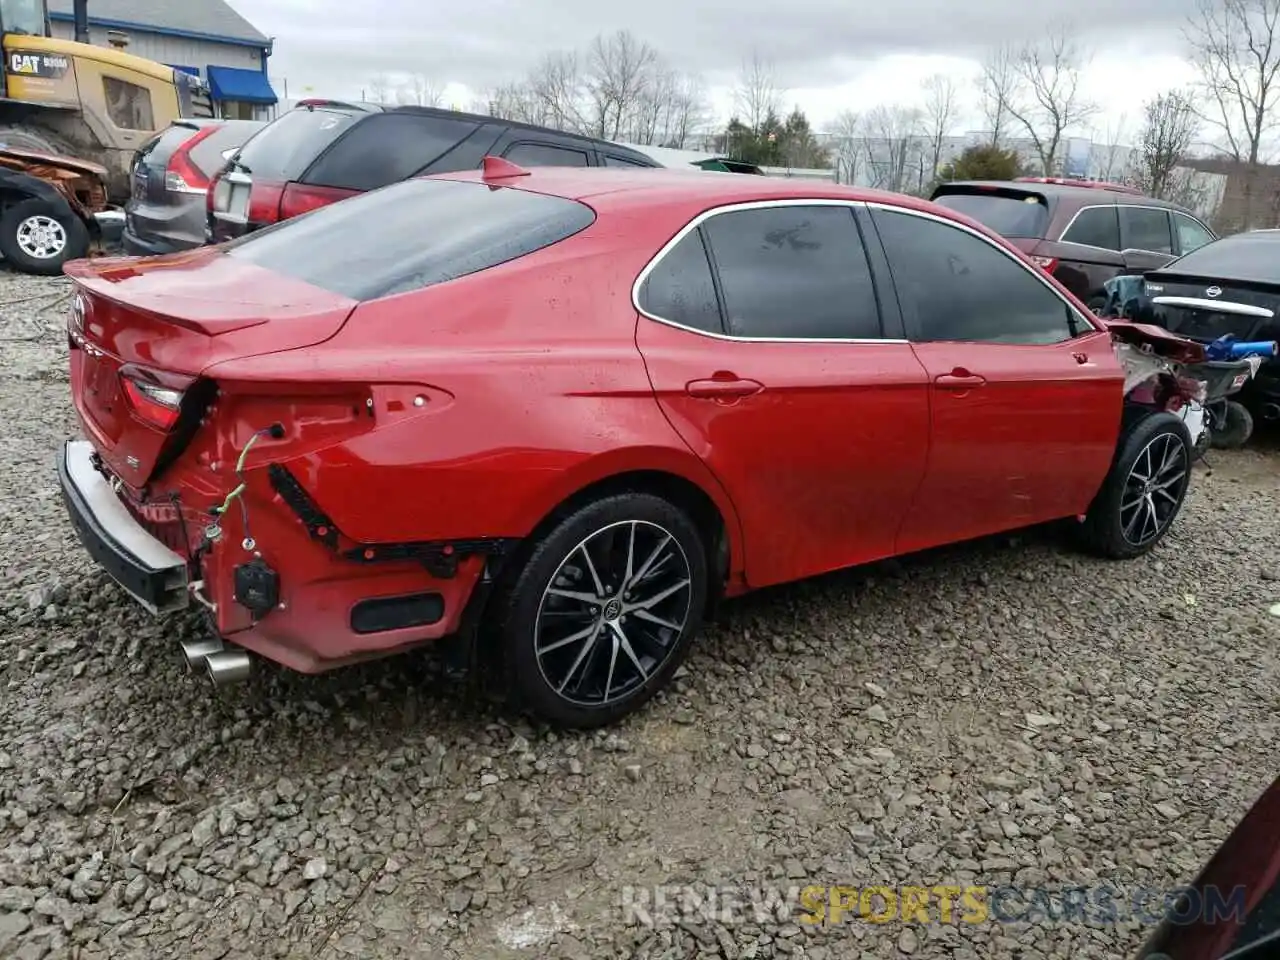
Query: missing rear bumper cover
x,y
440,557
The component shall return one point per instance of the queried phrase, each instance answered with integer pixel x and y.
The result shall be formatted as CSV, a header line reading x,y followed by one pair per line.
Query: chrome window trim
x,y
734,207
1178,213
1075,216
1091,322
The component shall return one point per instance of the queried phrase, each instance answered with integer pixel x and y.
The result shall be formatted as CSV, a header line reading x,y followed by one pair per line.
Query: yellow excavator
x,y
96,104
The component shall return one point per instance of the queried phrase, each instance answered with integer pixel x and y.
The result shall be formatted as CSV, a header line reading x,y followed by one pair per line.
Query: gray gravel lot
x,y
1002,712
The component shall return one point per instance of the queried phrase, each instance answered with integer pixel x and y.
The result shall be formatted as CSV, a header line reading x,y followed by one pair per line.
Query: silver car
x,y
170,177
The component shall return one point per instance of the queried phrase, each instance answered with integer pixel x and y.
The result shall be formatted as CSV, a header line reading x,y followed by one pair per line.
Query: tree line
x,y
1029,97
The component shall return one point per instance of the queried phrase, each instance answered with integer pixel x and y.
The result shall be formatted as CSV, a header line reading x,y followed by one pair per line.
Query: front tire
x,y
35,237
604,610
1143,493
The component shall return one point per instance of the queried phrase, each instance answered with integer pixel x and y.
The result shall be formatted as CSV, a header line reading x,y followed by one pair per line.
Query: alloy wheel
x,y
613,613
41,237
1153,489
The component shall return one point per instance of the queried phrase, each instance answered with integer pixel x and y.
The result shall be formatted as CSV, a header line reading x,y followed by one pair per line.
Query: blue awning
x,y
245,86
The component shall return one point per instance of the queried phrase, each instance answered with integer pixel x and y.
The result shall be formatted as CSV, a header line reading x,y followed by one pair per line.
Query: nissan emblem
x,y
1213,292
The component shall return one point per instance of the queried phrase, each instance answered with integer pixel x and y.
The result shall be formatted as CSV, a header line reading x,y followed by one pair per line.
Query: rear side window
x,y
1192,235
545,155
207,154
794,272
1146,228
1009,213
1095,227
611,161
680,289
386,148
428,232
284,148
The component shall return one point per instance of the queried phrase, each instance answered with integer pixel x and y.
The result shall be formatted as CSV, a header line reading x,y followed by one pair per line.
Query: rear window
x,y
1008,213
388,147
283,149
1241,256
207,154
428,231
160,148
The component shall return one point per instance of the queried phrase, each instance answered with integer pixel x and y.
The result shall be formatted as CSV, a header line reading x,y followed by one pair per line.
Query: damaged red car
x,y
565,411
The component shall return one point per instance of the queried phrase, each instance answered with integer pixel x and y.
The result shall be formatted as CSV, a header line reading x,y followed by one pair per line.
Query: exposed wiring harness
x,y
276,431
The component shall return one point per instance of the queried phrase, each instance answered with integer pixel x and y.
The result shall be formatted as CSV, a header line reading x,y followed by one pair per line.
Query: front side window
x,y
611,161
679,289
1192,235
128,105
954,286
1146,228
794,272
1095,227
544,155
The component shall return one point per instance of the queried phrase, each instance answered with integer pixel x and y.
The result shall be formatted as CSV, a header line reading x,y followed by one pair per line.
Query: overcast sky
x,y
829,55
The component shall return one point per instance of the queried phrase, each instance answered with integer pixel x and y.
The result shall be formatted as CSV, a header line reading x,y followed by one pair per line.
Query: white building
x,y
202,37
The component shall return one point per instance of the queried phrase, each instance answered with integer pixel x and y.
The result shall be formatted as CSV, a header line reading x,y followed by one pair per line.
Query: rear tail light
x,y
154,403
264,202
1047,264
299,198
183,176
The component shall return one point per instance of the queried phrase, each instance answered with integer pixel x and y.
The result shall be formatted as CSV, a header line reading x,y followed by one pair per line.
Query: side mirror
x,y
1140,261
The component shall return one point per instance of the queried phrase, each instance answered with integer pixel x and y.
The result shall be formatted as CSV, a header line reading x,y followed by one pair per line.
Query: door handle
x,y
723,388
959,379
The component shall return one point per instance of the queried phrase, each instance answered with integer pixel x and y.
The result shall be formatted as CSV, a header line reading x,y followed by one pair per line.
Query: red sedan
x,y
566,410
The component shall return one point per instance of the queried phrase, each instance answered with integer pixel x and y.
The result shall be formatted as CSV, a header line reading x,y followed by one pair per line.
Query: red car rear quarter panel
x,y
534,390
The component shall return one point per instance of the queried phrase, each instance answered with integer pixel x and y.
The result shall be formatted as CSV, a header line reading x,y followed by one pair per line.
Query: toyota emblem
x,y
1213,292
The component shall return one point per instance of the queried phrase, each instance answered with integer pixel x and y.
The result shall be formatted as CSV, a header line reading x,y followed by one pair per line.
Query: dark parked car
x,y
1083,232
324,151
170,177
1230,286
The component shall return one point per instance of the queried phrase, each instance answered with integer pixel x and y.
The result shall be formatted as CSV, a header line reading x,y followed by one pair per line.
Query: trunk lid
x,y
1203,309
143,332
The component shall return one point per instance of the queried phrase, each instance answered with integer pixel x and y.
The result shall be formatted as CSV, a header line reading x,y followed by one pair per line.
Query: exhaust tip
x,y
227,667
194,652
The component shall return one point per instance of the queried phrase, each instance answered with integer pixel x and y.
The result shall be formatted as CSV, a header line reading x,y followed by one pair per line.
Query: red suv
x,y
579,407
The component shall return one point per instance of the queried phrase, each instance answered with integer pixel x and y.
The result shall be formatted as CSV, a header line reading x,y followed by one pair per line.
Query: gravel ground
x,y
1004,712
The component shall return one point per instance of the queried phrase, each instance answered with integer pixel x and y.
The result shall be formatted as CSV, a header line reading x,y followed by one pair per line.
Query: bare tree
x,y
940,107
423,92
621,71
379,88
1047,100
556,86
1236,51
756,97
1169,128
847,146
997,89
891,147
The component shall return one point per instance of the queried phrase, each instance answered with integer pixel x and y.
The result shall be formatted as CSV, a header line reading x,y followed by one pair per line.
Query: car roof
x,y
618,186
519,125
1075,196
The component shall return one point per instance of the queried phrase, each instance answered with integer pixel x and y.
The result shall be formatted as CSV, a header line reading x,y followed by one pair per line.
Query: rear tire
x,y
36,237
1143,493
583,643
1237,427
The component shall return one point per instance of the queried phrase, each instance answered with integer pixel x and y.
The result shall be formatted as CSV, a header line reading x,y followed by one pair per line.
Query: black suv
x,y
323,151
